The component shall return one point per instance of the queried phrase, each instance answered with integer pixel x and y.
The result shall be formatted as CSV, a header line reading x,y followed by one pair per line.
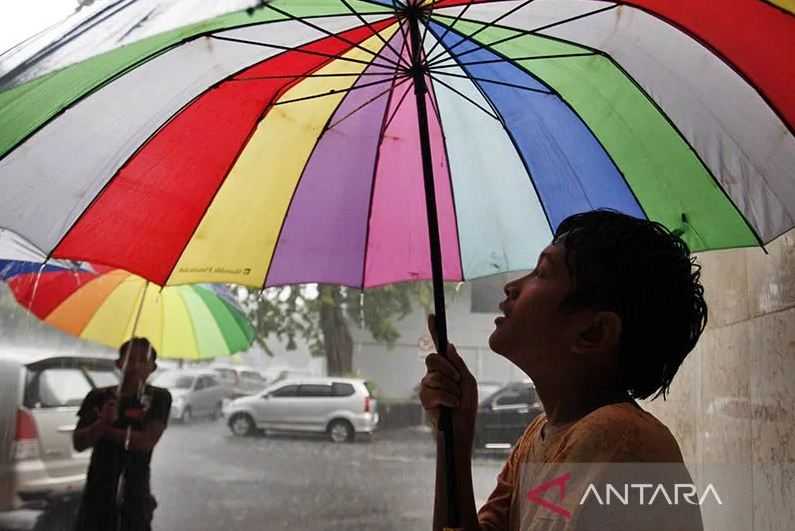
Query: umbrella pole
x,y
418,70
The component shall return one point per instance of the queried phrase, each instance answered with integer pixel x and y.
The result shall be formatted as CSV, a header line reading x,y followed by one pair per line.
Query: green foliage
x,y
282,313
291,312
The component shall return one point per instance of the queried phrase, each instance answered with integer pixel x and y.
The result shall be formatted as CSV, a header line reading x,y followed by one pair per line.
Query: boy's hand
x,y
448,382
108,413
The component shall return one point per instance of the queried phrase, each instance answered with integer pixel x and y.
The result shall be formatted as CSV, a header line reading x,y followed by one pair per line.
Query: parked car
x,y
41,395
486,389
194,393
340,407
503,416
239,381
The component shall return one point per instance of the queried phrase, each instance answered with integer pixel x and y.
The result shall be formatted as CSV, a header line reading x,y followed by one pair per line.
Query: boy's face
x,y
139,364
534,331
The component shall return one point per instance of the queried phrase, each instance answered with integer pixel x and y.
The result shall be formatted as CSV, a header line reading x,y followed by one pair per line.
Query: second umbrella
x,y
109,306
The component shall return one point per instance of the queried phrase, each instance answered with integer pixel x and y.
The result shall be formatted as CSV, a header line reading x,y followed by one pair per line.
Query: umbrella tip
x,y
253,9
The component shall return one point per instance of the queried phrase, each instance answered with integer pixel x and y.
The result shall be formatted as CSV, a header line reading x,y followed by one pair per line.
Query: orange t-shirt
x,y
560,481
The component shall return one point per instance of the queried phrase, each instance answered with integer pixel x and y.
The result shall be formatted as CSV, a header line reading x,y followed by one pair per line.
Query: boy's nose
x,y
510,289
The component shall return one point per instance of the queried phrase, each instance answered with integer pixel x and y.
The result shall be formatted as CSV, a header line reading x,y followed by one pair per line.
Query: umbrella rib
x,y
693,150
405,34
377,34
403,79
479,30
426,25
447,28
376,163
494,81
333,92
514,59
437,110
299,50
329,33
432,99
470,100
307,76
397,107
519,33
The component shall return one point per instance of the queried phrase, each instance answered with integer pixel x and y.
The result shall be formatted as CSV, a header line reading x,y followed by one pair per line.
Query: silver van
x,y
41,395
340,407
194,393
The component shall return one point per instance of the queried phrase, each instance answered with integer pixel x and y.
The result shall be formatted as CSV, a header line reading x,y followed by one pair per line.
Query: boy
x,y
122,425
611,310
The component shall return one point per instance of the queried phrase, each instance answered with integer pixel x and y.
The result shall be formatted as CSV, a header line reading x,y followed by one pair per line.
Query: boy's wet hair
x,y
140,342
644,273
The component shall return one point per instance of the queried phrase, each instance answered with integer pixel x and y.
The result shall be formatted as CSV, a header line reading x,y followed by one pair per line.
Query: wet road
x,y
205,479
209,480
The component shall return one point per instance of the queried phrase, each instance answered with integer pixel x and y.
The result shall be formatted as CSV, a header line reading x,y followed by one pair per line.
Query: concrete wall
x,y
732,404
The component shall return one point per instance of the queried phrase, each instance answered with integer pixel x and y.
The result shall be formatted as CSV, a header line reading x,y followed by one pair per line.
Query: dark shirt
x,y
109,459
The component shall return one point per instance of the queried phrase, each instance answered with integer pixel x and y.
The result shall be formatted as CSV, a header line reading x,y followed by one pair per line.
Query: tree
x,y
322,316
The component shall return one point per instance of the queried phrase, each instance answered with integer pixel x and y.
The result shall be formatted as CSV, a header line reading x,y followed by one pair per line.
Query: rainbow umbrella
x,y
109,306
363,142
283,146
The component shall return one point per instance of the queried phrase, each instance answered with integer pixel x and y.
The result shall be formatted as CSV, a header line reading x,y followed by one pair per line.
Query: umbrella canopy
x,y
109,306
279,146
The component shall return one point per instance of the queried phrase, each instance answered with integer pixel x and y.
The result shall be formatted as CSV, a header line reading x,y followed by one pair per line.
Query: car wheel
x,y
186,417
340,431
241,425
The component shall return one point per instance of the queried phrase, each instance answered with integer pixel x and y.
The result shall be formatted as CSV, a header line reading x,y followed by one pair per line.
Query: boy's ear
x,y
601,334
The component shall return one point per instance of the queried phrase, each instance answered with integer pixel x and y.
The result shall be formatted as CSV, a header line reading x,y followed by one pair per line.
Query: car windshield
x,y
171,380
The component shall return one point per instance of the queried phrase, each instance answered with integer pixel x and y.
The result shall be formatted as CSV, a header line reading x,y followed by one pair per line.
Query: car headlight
x,y
179,401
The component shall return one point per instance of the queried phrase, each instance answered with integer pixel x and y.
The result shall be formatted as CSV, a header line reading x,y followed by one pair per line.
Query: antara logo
x,y
623,494
560,482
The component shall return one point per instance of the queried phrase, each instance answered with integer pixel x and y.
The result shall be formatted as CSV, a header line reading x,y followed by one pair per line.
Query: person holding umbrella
x,y
608,315
122,425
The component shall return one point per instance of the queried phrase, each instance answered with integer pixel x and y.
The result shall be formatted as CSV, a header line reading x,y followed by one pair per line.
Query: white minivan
x,y
41,394
339,407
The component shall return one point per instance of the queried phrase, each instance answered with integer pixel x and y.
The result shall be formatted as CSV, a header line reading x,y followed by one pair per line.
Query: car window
x,y
513,397
287,390
227,375
103,378
172,380
201,383
210,381
251,376
59,387
314,390
342,389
